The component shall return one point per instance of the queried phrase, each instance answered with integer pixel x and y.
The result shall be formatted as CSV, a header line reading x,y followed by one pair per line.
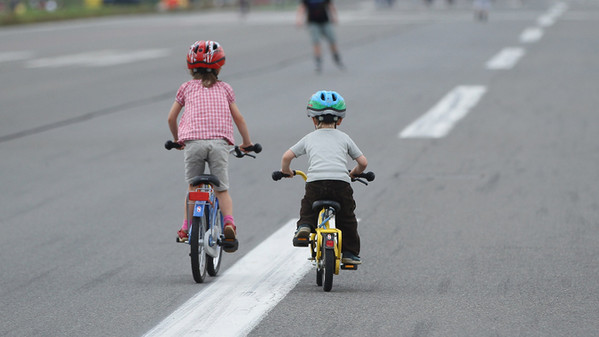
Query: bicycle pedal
x,y
301,242
349,266
230,245
179,240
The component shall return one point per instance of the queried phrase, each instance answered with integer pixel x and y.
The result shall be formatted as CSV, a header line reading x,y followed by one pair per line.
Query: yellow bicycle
x,y
325,244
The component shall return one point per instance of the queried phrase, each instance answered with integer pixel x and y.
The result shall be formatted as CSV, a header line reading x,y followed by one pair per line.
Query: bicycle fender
x,y
198,210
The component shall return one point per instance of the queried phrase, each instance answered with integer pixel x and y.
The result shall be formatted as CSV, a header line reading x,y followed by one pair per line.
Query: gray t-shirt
x,y
327,151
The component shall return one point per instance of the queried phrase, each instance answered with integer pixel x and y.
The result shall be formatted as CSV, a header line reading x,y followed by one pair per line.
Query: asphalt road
x,y
491,230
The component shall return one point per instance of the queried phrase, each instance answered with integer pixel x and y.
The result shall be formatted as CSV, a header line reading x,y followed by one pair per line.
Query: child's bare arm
x,y
172,120
286,162
241,125
362,163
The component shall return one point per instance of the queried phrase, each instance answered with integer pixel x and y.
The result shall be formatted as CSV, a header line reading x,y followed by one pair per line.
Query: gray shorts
x,y
215,152
321,29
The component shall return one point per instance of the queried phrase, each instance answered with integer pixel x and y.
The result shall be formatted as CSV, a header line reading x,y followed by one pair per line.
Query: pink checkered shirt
x,y
207,114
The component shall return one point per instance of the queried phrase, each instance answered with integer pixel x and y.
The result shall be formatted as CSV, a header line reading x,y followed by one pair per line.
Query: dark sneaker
x,y
230,243
302,236
349,258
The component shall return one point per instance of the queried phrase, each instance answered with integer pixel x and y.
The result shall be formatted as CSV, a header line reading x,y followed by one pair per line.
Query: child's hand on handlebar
x,y
244,146
353,174
287,173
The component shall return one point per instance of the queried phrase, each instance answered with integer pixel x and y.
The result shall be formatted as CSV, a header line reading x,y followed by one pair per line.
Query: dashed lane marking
x,y
439,120
530,35
506,58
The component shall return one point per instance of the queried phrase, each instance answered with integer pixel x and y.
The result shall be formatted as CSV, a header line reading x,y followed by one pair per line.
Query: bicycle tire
x,y
313,247
329,269
213,262
319,276
197,253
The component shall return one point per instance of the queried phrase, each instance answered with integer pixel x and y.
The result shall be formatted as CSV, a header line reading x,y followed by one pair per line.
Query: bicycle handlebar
x,y
236,151
369,176
256,148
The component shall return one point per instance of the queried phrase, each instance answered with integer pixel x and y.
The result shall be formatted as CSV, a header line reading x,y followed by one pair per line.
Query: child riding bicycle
x,y
206,127
328,178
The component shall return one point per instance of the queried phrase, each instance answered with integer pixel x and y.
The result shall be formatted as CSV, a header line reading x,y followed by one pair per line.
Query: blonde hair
x,y
208,76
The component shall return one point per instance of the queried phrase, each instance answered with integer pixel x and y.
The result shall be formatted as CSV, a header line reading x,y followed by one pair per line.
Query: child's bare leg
x,y
189,210
187,218
226,208
225,202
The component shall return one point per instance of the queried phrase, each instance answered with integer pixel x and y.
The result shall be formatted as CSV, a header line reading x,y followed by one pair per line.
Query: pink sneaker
x,y
182,236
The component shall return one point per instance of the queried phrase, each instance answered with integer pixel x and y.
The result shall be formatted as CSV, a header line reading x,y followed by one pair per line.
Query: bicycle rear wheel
x,y
329,268
213,262
197,253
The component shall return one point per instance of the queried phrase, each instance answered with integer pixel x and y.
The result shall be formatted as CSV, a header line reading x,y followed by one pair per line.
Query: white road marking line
x,y
439,120
505,59
15,56
234,303
531,34
100,58
548,19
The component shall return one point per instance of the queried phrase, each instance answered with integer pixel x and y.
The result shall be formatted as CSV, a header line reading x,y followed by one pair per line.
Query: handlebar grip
x,y
278,175
256,148
171,145
367,175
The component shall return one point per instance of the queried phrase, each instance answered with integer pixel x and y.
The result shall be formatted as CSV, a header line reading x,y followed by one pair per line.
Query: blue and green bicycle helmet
x,y
324,103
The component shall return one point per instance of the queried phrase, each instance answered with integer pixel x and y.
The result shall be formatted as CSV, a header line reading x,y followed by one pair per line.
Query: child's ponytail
x,y
208,76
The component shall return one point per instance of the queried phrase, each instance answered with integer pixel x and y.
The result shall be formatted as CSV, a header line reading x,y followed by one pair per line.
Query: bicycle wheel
x,y
197,253
319,266
329,268
213,262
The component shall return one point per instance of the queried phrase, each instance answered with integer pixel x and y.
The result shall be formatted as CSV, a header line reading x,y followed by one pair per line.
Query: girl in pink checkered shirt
x,y
206,126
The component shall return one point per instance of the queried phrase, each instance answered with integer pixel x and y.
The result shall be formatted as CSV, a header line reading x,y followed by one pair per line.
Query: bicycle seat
x,y
319,204
205,179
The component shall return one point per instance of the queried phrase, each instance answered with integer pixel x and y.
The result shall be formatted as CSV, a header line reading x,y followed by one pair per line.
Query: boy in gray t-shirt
x,y
328,178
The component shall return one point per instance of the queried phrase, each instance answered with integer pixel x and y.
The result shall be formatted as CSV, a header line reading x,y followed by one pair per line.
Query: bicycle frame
x,y
327,237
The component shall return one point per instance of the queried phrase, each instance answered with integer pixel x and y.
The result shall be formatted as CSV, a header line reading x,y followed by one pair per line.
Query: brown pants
x,y
345,219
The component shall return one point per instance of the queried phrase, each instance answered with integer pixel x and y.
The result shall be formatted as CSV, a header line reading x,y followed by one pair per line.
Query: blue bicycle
x,y
206,234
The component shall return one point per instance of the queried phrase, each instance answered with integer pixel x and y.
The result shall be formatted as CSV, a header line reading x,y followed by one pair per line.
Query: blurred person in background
x,y
244,7
319,15
481,9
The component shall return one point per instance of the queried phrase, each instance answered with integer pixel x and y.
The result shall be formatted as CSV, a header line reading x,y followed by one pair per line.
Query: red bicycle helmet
x,y
205,54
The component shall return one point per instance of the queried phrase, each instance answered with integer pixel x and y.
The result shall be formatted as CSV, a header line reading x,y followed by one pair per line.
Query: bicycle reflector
x,y
199,196
330,243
